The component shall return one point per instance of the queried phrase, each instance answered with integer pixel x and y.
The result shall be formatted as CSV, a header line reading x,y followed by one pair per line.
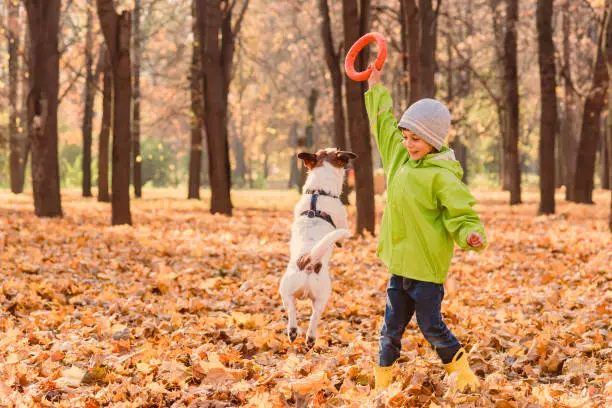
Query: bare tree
x,y
582,186
25,75
136,158
195,80
499,26
294,170
548,97
609,134
608,51
307,142
457,82
427,49
332,58
568,145
511,152
409,21
355,16
15,136
605,164
116,29
90,91
217,35
104,65
43,24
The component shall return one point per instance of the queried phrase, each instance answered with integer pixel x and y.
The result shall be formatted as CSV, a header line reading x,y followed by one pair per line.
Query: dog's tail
x,y
316,253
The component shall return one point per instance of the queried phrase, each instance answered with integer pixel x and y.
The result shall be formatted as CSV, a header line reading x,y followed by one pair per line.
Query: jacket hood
x,y
445,159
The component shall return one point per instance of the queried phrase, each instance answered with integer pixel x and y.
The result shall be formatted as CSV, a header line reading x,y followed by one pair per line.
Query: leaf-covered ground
x,y
182,310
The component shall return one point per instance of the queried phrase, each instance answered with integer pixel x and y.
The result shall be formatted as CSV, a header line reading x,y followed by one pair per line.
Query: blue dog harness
x,y
313,212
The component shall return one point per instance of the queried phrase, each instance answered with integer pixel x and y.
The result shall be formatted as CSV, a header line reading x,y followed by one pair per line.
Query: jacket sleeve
x,y
458,216
384,126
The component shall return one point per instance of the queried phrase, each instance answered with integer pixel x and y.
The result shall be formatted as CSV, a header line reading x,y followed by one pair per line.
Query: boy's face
x,y
417,148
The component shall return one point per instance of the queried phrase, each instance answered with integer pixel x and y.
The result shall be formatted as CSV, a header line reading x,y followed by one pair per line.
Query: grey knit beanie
x,y
429,120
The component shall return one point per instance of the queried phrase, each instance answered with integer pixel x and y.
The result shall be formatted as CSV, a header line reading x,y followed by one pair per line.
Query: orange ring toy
x,y
349,62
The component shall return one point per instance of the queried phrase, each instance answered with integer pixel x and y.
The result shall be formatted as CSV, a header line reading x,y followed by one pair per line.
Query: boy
x,y
427,208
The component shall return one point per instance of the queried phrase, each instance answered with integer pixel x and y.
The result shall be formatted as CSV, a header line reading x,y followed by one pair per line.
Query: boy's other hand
x,y
475,240
374,76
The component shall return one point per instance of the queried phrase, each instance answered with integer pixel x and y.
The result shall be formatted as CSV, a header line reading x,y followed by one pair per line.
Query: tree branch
x,y
69,87
479,77
108,22
236,29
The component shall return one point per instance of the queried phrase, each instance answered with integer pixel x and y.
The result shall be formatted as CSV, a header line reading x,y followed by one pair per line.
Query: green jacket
x,y
428,206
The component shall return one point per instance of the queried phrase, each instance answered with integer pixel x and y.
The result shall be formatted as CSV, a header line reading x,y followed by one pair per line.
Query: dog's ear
x,y
345,156
310,159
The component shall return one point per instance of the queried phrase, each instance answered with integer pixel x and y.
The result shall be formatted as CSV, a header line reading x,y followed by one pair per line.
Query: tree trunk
x,y
511,152
404,37
216,66
460,149
15,136
603,158
582,191
239,152
609,133
332,58
26,140
427,68
107,116
136,158
90,86
569,133
355,25
294,170
266,153
308,142
499,28
462,155
459,77
43,23
465,72
548,98
304,146
249,174
195,152
608,50
116,29
310,121
414,49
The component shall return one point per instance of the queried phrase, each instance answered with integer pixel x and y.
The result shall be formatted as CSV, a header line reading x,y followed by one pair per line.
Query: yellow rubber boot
x,y
382,377
466,378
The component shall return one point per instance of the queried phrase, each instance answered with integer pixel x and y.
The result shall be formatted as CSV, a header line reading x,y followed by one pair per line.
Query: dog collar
x,y
320,192
313,212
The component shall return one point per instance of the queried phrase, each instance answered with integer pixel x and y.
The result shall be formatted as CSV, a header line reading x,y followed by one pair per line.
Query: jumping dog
x,y
320,221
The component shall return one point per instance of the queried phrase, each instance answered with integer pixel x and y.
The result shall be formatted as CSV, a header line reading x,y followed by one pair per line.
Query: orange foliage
x,y
183,308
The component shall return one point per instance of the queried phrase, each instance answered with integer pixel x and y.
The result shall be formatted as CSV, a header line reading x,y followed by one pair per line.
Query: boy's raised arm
x,y
384,126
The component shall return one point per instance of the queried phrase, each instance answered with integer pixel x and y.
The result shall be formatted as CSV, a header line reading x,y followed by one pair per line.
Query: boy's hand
x,y
374,76
475,240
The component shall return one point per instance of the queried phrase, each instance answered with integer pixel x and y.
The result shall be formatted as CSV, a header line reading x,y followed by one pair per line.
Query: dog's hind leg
x,y
292,327
289,305
318,305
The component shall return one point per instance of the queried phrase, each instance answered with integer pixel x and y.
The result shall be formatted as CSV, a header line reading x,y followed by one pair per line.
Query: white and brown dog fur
x,y
312,238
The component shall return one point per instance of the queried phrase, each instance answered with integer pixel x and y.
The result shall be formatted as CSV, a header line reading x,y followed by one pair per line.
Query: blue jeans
x,y
405,297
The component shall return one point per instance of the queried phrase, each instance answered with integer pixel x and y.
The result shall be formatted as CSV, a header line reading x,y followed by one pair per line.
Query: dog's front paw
x,y
293,332
303,261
